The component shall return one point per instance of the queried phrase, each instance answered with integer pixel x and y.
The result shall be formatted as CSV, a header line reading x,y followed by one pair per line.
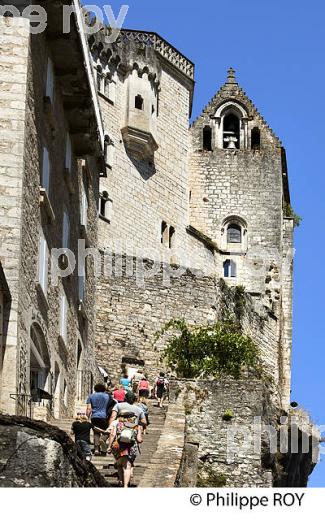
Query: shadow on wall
x,y
146,168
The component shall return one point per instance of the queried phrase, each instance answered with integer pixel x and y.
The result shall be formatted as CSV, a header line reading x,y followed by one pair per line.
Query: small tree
x,y
209,351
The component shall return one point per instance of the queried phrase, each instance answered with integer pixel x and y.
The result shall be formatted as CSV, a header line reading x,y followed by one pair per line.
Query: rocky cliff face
x,y
34,454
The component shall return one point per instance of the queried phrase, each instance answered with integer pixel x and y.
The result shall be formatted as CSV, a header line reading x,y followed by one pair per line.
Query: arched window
x,y
229,269
207,138
106,206
139,103
256,139
234,234
231,131
164,233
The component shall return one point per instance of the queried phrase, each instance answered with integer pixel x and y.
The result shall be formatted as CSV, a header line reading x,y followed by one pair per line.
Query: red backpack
x,y
143,385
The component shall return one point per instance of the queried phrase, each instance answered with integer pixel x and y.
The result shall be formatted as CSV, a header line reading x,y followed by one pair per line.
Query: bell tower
x,y
239,199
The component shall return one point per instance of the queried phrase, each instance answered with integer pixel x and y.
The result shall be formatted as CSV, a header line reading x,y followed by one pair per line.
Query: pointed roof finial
x,y
231,76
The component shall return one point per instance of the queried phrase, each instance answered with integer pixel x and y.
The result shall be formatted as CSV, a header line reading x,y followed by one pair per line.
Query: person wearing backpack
x,y
126,433
161,388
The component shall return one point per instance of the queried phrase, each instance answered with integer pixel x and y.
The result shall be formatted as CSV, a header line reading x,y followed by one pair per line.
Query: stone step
x,y
105,464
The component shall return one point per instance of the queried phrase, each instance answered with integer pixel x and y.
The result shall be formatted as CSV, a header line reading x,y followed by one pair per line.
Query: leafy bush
x,y
209,351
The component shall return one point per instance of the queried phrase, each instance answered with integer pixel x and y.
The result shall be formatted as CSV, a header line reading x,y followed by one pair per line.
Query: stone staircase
x,y
105,464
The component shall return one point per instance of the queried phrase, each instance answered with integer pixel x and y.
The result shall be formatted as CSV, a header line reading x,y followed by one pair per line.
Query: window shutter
x,y
84,207
109,209
82,281
226,266
43,264
63,317
66,231
110,153
233,269
50,80
46,168
68,153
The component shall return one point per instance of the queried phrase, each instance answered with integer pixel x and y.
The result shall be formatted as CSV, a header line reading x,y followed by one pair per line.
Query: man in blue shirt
x,y
98,405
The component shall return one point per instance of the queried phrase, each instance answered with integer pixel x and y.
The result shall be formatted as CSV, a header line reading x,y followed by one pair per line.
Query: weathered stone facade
x,y
96,146
180,203
49,189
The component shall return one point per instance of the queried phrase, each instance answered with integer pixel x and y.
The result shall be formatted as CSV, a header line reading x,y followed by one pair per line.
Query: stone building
x,y
96,151
51,158
211,199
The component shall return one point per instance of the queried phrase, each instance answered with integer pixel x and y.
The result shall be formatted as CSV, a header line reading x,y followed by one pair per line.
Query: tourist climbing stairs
x,y
106,464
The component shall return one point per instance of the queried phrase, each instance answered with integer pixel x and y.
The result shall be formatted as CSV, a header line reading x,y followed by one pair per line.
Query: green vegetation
x,y
290,212
209,351
228,415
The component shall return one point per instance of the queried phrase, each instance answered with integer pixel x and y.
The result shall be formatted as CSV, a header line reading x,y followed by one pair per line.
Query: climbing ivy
x,y
198,352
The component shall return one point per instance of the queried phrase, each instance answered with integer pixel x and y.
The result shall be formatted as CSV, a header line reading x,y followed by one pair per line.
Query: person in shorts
x,y
81,429
125,454
143,388
161,388
97,406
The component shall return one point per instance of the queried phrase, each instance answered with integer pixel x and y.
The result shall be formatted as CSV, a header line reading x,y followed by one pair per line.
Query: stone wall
x,y
29,123
130,313
35,306
237,452
145,193
14,49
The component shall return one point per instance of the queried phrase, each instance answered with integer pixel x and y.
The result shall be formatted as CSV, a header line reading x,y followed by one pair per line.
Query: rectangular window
x,y
43,263
66,231
68,153
49,92
46,170
63,317
84,207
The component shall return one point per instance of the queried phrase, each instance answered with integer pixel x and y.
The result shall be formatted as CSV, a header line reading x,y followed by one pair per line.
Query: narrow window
x,y
82,271
171,237
46,170
106,206
66,230
164,233
139,103
256,139
65,393
49,90
68,152
83,206
207,138
231,132
43,263
229,269
234,234
63,317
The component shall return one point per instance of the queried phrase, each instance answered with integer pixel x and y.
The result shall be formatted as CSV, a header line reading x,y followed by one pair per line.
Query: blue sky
x,y
277,48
